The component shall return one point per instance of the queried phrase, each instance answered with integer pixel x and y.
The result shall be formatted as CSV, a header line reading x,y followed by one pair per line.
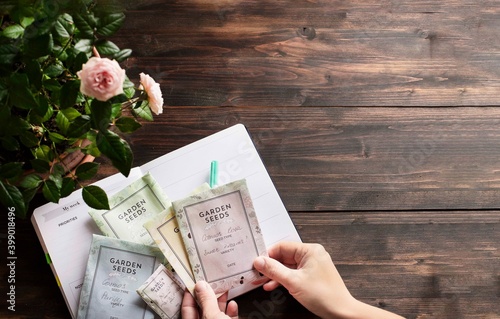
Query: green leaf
x,y
7,53
11,170
51,84
35,47
31,181
143,110
100,115
79,60
35,74
50,191
87,170
20,95
116,110
64,27
55,69
110,23
26,21
122,55
44,153
28,139
69,93
117,150
85,24
106,47
127,124
28,195
84,45
68,186
13,31
56,137
95,197
40,166
9,143
10,196
79,126
65,117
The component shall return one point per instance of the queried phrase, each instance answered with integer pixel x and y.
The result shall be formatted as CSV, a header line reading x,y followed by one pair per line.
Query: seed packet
x,y
115,270
130,209
163,292
164,230
221,234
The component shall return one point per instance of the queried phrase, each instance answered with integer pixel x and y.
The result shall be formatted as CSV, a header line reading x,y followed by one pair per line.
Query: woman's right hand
x,y
309,275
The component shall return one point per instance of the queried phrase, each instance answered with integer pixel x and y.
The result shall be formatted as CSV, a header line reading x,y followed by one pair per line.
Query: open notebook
x,y
65,229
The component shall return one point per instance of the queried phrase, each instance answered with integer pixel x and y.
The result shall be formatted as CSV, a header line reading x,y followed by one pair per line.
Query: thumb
x,y
206,299
273,270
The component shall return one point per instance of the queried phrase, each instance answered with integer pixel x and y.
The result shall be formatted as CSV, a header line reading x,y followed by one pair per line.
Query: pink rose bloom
x,y
101,78
153,91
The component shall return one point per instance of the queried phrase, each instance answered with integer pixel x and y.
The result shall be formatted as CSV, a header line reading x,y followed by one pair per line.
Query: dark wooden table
x,y
379,122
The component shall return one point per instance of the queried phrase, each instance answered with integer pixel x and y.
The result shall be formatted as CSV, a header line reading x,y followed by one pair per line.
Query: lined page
x,y
65,231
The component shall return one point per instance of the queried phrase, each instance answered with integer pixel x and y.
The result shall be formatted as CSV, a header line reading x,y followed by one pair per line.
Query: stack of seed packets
x,y
211,235
221,235
115,269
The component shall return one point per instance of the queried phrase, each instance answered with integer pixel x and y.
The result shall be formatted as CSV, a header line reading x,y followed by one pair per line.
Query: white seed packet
x,y
130,209
163,292
164,230
115,270
222,235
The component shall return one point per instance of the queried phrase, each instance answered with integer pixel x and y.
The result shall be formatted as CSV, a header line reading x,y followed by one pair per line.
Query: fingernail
x,y
259,262
200,286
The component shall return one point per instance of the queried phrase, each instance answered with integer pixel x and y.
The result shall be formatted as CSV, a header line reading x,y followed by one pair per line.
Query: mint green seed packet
x,y
130,209
115,270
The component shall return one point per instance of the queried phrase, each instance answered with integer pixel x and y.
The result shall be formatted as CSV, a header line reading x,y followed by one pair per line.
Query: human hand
x,y
211,307
309,275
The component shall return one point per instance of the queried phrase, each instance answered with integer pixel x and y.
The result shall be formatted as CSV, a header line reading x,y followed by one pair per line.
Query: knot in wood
x,y
307,32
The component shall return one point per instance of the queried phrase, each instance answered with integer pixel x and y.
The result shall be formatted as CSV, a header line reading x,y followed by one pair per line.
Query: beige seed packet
x,y
222,235
116,268
130,209
164,230
163,292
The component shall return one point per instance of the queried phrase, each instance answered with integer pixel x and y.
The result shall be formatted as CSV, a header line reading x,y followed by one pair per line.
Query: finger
x,y
287,252
271,285
207,299
273,269
222,302
189,308
232,309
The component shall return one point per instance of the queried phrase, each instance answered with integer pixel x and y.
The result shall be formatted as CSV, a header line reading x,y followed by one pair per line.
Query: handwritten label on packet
x,y
130,209
221,234
164,230
163,293
115,270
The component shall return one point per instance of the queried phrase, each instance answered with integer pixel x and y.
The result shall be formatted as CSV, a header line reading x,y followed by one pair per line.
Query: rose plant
x,y
62,90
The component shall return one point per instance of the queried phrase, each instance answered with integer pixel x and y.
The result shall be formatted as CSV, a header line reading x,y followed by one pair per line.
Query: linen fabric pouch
x,y
115,270
130,209
222,235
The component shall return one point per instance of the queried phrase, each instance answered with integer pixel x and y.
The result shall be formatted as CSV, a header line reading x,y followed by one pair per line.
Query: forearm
x,y
356,309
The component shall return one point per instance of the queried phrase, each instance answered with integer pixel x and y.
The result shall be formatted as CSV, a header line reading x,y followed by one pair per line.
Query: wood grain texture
x,y
356,159
322,53
378,122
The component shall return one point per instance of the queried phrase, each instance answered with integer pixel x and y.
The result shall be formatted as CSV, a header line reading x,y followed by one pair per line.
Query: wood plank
x,y
430,264
424,264
355,159
322,53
